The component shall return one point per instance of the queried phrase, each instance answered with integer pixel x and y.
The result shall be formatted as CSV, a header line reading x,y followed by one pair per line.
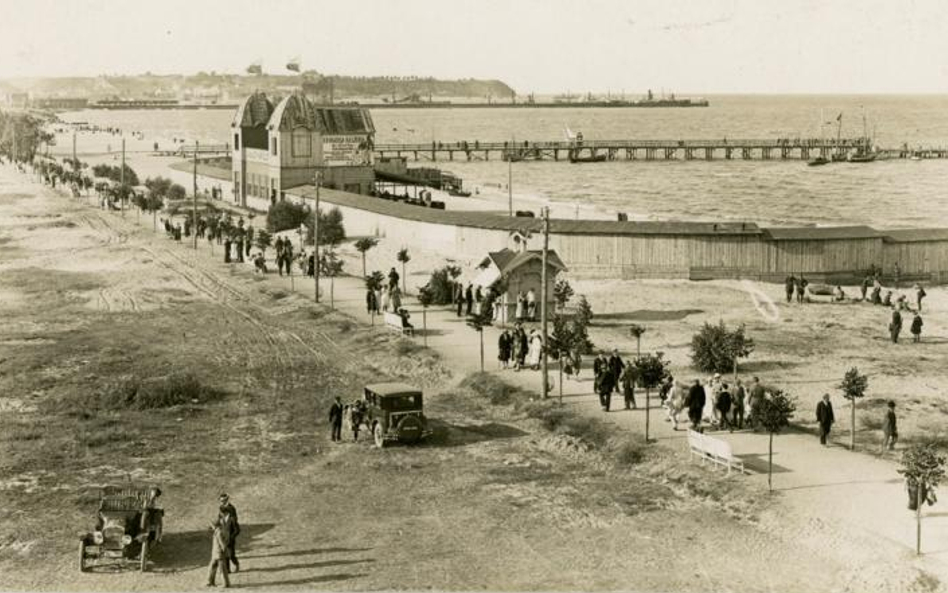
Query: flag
x,y
255,68
293,65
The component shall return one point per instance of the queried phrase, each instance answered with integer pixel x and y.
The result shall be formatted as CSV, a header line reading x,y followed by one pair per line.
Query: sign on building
x,y
346,150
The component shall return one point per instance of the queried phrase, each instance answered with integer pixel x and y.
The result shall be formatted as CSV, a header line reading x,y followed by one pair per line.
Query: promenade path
x,y
830,499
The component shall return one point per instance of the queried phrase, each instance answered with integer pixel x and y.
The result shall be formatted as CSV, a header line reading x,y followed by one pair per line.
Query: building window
x,y
236,141
302,144
273,146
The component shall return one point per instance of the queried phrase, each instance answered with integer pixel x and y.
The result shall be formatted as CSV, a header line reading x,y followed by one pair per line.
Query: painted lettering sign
x,y
346,150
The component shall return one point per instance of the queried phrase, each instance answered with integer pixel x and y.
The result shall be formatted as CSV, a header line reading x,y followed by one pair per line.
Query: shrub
x,y
331,231
715,349
492,388
177,192
562,293
163,392
441,285
284,216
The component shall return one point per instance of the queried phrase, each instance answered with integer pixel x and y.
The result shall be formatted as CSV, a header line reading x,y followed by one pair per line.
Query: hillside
x,y
227,87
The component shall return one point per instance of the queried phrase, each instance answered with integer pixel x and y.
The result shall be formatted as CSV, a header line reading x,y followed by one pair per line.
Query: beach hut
x,y
512,273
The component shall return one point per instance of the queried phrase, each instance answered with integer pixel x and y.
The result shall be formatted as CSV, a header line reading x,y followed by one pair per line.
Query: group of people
x,y
353,414
516,349
224,531
387,297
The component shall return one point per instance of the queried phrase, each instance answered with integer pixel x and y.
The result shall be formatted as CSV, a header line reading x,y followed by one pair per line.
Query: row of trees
x,y
21,136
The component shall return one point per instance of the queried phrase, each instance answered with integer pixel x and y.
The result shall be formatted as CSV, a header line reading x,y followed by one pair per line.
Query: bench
x,y
393,321
708,448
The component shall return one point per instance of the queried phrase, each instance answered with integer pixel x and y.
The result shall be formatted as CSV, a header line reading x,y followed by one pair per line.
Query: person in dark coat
x,y
392,279
916,327
723,405
227,244
866,283
226,508
737,404
249,237
919,295
503,348
524,346
696,401
627,379
790,284
825,417
469,298
459,298
370,305
599,366
895,326
801,288
890,432
335,419
615,366
607,383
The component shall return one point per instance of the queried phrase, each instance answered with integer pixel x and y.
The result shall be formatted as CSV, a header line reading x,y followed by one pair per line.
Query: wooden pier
x,y
629,150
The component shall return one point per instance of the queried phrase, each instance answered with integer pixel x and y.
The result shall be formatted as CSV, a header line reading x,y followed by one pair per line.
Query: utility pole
x,y
122,195
316,238
194,197
510,179
544,299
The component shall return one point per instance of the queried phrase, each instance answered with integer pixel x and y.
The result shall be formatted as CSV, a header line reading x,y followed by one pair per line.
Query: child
x,y
917,328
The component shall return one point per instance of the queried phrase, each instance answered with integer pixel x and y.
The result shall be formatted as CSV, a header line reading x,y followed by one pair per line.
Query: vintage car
x,y
394,413
128,524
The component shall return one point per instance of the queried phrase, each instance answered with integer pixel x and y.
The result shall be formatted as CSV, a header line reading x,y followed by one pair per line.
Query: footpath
x,y
830,499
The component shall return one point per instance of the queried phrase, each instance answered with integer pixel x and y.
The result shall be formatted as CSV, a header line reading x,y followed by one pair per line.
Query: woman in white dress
x,y
384,300
536,347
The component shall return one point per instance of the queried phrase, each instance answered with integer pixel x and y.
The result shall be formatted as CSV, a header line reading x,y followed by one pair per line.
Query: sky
x,y
541,46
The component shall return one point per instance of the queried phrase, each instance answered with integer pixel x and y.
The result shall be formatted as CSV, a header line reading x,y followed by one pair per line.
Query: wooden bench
x,y
708,448
393,321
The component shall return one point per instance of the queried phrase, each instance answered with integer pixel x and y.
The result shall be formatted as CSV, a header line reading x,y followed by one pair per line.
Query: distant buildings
x,y
276,148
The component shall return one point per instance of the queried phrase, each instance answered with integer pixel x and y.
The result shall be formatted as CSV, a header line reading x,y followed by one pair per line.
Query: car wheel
x,y
144,559
377,436
82,555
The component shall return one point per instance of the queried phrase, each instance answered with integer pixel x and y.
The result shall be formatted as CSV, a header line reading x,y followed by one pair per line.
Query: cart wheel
x,y
82,555
144,560
377,436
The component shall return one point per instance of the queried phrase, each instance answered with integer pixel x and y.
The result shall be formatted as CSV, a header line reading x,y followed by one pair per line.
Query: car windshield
x,y
410,401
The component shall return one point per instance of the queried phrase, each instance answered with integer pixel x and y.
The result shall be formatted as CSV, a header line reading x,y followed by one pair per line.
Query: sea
x,y
883,194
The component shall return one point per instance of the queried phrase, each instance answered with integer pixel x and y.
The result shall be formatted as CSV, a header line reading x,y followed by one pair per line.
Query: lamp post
x,y
316,180
544,300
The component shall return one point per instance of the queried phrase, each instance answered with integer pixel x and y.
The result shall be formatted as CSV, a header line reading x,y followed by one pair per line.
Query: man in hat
x,y
895,326
825,417
226,508
335,419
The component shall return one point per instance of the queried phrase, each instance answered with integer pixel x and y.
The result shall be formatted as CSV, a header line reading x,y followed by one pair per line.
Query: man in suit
x,y
696,401
606,384
825,417
226,508
895,325
615,366
335,419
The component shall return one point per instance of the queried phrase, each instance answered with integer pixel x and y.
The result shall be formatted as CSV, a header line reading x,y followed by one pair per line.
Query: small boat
x,y
862,157
820,160
595,158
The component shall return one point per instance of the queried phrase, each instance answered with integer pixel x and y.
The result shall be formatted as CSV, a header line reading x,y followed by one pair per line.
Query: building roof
x,y
507,260
915,235
386,389
819,233
255,111
652,227
296,111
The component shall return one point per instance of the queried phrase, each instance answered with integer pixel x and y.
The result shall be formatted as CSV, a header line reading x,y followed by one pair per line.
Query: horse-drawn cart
x,y
128,524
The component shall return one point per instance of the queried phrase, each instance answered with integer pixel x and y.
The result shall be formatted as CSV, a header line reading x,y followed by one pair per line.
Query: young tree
x,y
331,266
263,239
651,370
484,318
774,412
923,468
715,349
425,299
637,330
404,257
853,387
363,245
562,293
